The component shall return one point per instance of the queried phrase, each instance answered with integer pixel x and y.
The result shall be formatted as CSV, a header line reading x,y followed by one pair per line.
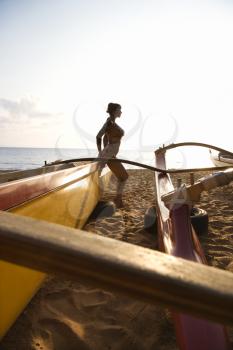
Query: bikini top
x,y
112,130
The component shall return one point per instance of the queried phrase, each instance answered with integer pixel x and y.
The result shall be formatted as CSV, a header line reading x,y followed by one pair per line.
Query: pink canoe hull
x,y
178,238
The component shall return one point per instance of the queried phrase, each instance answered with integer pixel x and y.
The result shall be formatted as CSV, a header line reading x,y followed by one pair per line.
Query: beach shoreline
x,y
69,315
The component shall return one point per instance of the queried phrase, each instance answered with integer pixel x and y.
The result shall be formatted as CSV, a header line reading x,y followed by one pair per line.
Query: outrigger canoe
x,y
153,276
221,158
66,196
177,237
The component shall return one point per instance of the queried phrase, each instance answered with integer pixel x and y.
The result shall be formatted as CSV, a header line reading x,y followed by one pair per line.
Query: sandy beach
x,y
67,315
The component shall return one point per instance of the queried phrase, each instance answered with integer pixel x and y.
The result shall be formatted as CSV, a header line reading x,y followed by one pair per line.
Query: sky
x,y
168,63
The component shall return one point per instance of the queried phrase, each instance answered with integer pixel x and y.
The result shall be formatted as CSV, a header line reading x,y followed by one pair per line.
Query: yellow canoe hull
x,y
70,204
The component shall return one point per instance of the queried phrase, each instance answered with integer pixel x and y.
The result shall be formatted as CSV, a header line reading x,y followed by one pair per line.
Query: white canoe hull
x,y
221,160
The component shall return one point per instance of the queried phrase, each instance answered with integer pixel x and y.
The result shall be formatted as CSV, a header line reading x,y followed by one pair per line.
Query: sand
x,y
68,315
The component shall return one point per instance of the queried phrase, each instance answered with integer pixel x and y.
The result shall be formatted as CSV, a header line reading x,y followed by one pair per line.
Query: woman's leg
x,y
121,174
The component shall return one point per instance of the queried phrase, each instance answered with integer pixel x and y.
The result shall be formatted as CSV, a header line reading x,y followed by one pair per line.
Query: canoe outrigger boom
x,y
191,193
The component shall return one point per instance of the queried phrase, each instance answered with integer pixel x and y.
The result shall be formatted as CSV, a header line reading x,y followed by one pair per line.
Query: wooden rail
x,y
139,272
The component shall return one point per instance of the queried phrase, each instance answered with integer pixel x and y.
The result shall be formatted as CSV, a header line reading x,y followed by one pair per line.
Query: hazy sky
x,y
169,63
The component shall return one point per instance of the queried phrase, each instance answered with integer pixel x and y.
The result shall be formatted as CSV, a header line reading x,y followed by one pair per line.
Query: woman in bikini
x,y
112,134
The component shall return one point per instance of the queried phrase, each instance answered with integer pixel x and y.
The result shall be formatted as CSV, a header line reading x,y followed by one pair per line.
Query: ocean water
x,y
15,158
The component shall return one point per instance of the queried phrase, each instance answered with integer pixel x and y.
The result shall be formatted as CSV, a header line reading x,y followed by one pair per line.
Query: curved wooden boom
x,y
198,144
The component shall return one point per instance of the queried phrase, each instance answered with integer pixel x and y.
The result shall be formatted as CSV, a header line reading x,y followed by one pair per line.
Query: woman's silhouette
x,y
112,134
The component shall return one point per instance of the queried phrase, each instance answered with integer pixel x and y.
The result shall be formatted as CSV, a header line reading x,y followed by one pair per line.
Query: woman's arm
x,y
105,140
100,134
98,143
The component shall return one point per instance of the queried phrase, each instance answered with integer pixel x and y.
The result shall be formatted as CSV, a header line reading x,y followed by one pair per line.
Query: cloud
x,y
23,110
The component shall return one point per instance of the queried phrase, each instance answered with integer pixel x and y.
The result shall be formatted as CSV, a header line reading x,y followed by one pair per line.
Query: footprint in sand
x,y
229,229
62,336
222,248
74,300
230,266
